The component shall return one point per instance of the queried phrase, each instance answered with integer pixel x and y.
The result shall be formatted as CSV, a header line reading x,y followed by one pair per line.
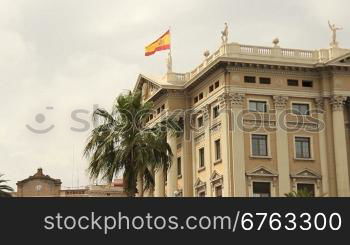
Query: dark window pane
x,y
211,88
201,157
218,191
292,82
217,150
216,111
249,79
265,80
261,189
179,166
217,84
257,106
307,83
302,147
200,122
200,96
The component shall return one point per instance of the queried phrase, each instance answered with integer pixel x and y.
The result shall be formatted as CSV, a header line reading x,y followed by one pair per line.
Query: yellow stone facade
x,y
245,129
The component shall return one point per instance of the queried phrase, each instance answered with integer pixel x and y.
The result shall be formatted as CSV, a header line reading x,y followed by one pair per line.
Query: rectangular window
x,y
201,157
249,79
158,110
308,188
257,106
300,109
195,99
265,80
211,88
217,84
179,172
217,150
292,82
162,108
302,147
216,111
200,121
201,194
259,145
261,189
307,83
200,96
218,191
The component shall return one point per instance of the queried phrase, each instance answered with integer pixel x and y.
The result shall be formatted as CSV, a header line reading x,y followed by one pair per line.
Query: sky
x,y
61,59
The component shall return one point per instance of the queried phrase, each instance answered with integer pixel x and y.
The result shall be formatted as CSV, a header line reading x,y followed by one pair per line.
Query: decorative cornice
x,y
280,102
224,100
338,102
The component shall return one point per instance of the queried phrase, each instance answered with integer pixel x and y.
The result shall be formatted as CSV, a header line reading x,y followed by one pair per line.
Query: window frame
x,y
311,153
262,181
179,173
268,152
218,111
258,101
307,81
245,79
289,80
308,104
216,151
267,78
201,161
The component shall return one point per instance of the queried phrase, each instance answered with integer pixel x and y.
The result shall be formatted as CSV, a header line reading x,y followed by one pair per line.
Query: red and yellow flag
x,y
161,43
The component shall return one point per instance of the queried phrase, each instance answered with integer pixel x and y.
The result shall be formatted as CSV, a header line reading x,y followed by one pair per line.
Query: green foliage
x,y
4,189
300,193
122,144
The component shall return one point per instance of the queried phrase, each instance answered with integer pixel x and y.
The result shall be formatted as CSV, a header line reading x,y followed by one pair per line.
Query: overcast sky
x,y
57,57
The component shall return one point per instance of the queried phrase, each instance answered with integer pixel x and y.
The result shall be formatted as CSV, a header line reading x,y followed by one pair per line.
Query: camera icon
x,y
40,119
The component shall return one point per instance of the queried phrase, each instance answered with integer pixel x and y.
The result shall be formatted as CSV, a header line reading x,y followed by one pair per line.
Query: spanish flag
x,y
161,43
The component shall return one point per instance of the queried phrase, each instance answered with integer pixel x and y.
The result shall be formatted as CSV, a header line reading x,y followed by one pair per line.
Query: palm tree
x,y
299,193
121,143
4,189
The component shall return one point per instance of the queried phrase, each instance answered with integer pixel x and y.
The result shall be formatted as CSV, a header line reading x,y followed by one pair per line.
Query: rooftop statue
x,y
224,35
334,30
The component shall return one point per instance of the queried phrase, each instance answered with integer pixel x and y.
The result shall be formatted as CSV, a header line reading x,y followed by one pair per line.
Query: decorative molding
x,y
319,104
338,102
306,173
262,172
200,186
280,102
216,179
224,101
237,99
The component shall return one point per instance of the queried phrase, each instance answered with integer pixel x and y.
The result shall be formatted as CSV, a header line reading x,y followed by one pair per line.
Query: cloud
x,y
73,54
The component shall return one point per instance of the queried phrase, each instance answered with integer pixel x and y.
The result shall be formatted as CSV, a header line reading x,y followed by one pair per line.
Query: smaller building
x,y
40,185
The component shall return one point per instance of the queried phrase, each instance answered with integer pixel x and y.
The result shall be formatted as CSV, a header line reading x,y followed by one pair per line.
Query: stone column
x,y
207,145
239,179
224,100
323,145
159,183
282,145
187,174
341,158
172,171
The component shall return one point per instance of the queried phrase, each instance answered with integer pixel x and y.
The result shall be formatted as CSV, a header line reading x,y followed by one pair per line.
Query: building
x,y
40,185
258,121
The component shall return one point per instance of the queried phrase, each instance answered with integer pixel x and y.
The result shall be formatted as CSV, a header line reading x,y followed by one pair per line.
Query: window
x,y
151,117
292,82
162,108
259,145
195,99
218,191
302,147
257,106
217,150
200,96
217,84
309,188
216,111
158,110
307,83
265,80
249,79
201,157
200,121
201,194
179,166
300,109
261,189
211,88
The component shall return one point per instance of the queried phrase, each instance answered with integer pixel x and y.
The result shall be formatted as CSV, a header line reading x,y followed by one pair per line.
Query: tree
x,y
299,193
121,143
4,189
